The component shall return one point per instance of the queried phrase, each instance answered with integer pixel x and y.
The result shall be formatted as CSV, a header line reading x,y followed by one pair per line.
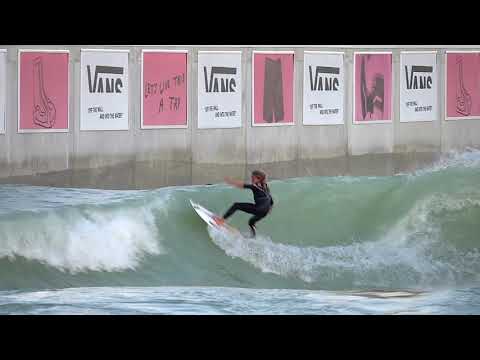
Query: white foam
x,y
470,158
75,239
411,253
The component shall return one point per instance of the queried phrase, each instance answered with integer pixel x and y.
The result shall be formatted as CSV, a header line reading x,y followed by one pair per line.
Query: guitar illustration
x,y
363,89
44,111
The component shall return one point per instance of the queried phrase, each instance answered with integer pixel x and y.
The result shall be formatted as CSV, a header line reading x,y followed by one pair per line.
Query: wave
x,y
82,238
412,253
407,231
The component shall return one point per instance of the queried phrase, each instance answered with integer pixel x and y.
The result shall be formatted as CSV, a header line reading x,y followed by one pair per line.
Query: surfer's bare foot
x,y
219,221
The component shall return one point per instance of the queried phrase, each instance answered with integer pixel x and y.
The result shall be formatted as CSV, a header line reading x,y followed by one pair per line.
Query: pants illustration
x,y
273,91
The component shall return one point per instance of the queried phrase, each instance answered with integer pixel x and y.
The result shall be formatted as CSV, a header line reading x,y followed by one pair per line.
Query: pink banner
x,y
373,87
43,91
463,85
273,88
164,89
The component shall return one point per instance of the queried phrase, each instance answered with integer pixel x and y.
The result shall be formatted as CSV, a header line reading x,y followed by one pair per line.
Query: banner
x,y
462,95
323,88
272,88
164,89
43,90
3,90
104,90
219,89
418,86
372,85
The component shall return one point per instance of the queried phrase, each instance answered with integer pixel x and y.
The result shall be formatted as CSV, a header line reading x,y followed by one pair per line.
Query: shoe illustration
x,y
464,100
44,111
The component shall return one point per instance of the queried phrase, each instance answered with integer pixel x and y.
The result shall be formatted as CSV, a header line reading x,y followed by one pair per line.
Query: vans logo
x,y
324,78
104,79
419,77
220,79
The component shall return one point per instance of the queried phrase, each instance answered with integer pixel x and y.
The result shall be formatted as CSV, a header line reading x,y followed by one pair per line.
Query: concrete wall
x,y
182,156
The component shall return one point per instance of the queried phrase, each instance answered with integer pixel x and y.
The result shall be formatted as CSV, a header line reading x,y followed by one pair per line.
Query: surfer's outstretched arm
x,y
236,183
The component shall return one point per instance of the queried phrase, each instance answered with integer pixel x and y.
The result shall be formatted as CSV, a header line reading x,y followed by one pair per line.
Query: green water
x,y
414,231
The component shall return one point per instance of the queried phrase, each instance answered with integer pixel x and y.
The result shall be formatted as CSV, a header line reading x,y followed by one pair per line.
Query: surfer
x,y
261,194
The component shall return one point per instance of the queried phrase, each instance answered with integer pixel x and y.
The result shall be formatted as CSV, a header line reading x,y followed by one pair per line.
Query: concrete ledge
x,y
160,173
162,157
460,134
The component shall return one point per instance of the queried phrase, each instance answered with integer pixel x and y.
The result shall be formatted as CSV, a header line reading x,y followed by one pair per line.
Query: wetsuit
x,y
262,206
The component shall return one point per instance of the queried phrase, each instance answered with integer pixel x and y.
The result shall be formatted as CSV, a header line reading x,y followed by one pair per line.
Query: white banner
x,y
418,86
323,88
219,89
104,90
3,89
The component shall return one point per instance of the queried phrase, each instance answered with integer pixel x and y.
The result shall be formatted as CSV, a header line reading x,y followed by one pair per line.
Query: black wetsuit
x,y
262,206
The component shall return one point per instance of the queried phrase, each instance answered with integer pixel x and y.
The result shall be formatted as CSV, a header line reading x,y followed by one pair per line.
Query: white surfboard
x,y
209,217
